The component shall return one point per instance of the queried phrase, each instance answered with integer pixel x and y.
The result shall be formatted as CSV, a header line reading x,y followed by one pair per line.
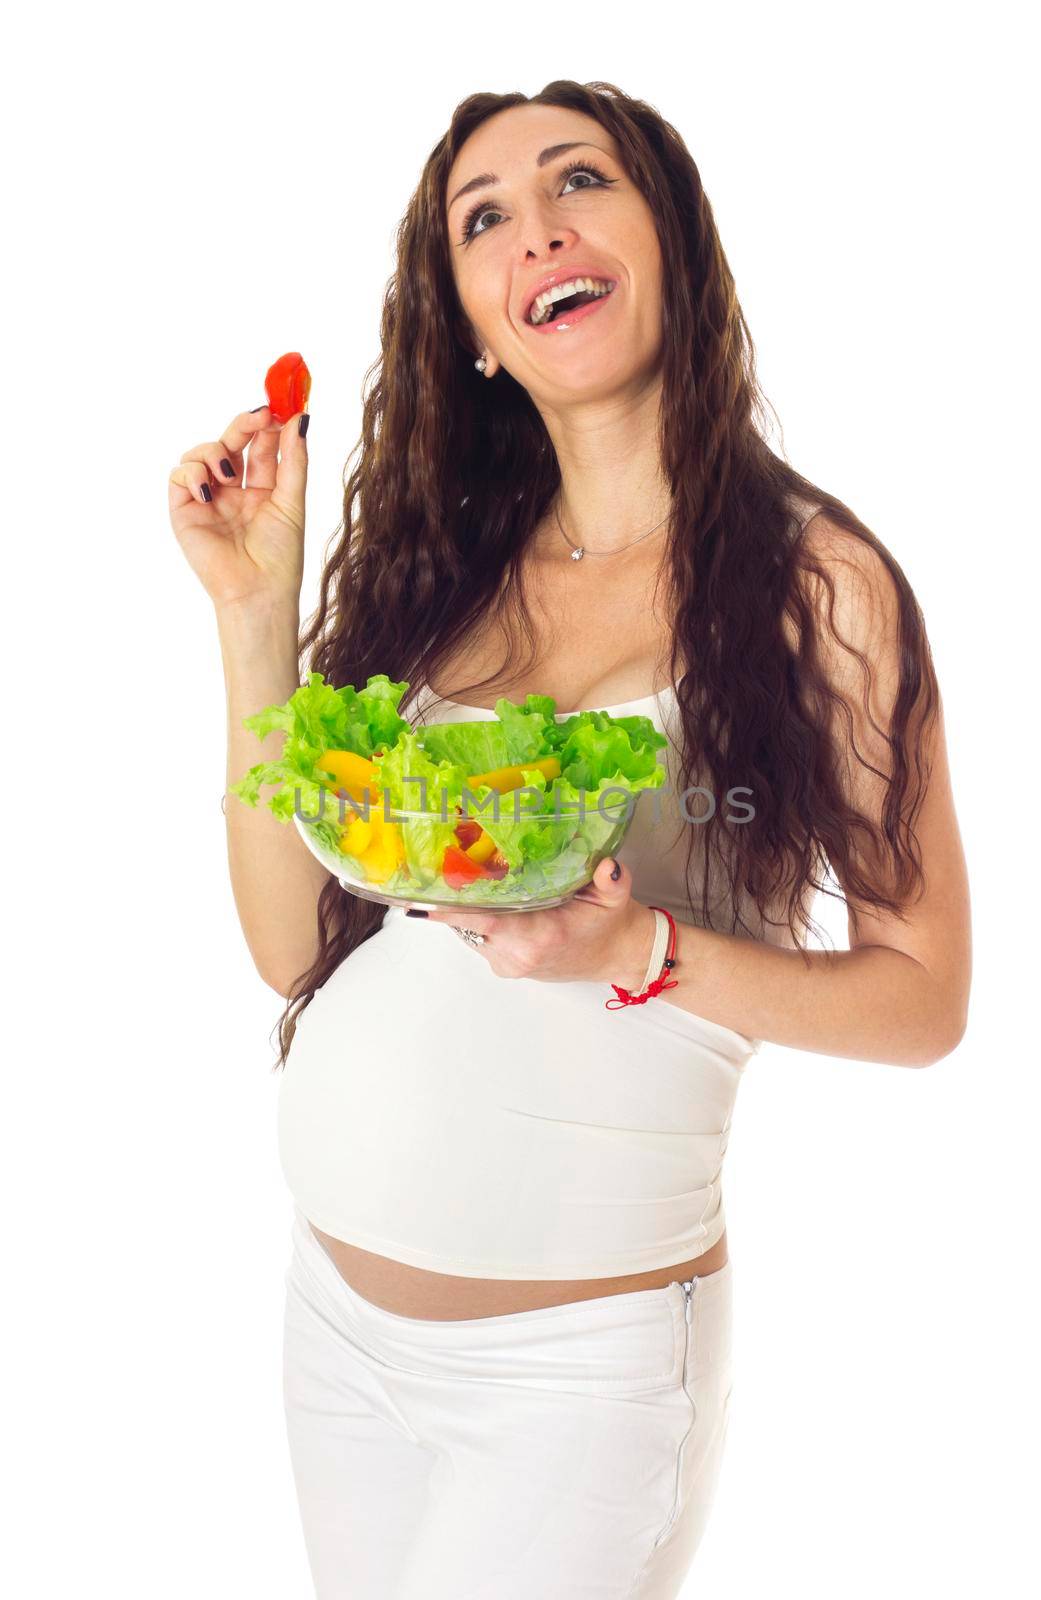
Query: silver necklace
x,y
579,550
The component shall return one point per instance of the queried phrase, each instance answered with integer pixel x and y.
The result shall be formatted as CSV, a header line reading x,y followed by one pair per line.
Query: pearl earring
x,y
481,363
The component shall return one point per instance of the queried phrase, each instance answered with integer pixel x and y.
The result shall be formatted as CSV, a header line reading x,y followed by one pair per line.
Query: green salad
x,y
544,799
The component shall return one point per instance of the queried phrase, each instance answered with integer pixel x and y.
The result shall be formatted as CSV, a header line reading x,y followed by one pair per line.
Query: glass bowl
x,y
523,860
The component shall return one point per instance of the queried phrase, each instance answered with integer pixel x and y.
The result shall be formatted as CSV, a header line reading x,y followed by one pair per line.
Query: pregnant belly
x,y
409,1291
515,1131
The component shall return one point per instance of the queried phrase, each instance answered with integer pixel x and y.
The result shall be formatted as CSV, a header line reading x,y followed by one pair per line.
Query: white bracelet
x,y
658,949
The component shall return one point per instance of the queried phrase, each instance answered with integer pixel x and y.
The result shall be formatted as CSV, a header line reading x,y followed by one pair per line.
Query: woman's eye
x,y
479,210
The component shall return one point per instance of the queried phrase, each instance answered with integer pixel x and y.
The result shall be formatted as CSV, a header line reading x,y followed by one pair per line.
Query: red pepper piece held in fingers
x,y
287,385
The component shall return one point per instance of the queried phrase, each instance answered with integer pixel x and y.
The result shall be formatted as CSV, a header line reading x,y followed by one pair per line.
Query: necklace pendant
x,y
576,555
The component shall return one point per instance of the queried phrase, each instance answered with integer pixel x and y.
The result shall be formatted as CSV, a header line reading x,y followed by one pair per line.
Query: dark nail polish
x,y
206,492
616,871
255,410
304,420
414,913
227,468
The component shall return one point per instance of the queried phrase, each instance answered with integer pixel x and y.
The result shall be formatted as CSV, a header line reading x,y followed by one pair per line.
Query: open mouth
x,y
575,301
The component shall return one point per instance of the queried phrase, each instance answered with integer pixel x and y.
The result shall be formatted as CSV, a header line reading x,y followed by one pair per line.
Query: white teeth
x,y
541,304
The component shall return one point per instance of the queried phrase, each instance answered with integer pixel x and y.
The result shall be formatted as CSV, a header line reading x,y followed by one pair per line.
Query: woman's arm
x,y
900,993
275,879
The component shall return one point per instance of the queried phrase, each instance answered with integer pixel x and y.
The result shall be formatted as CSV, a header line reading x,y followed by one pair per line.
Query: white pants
x,y
567,1453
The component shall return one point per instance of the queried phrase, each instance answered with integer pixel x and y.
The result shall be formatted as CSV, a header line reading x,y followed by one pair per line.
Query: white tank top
x,y
468,1124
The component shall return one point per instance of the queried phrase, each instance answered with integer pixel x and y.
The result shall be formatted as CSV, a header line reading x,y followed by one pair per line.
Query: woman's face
x,y
531,220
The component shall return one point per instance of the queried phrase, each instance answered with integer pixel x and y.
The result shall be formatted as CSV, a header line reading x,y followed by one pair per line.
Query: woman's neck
x,y
612,489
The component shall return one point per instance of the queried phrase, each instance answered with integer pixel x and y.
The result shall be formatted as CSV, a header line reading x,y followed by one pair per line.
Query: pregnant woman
x,y
508,1301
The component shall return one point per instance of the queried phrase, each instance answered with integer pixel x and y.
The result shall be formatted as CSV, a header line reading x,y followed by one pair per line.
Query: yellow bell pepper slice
x,y
357,836
482,847
385,851
352,772
506,778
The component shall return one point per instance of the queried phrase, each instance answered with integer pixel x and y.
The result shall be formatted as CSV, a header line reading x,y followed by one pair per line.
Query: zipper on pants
x,y
688,1298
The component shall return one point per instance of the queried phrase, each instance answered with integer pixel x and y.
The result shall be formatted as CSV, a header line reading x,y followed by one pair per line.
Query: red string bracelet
x,y
663,981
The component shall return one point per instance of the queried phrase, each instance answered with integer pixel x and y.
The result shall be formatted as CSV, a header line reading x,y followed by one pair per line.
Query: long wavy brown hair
x,y
454,473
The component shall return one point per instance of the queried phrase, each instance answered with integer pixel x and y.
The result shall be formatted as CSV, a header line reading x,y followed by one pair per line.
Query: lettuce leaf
x,y
316,718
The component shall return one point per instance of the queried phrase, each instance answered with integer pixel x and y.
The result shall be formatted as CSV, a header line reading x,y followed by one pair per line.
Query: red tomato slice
x,y
288,386
459,870
468,832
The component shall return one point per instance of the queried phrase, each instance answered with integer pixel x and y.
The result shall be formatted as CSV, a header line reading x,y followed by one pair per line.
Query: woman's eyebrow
x,y
546,155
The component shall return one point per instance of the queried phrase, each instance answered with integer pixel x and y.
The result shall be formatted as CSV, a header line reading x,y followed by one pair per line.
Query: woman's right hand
x,y
246,542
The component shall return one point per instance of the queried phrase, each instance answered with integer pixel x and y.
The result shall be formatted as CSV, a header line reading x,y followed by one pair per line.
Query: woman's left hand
x,y
600,935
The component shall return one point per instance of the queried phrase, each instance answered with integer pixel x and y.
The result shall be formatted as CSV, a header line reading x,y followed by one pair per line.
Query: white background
x,y
192,190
